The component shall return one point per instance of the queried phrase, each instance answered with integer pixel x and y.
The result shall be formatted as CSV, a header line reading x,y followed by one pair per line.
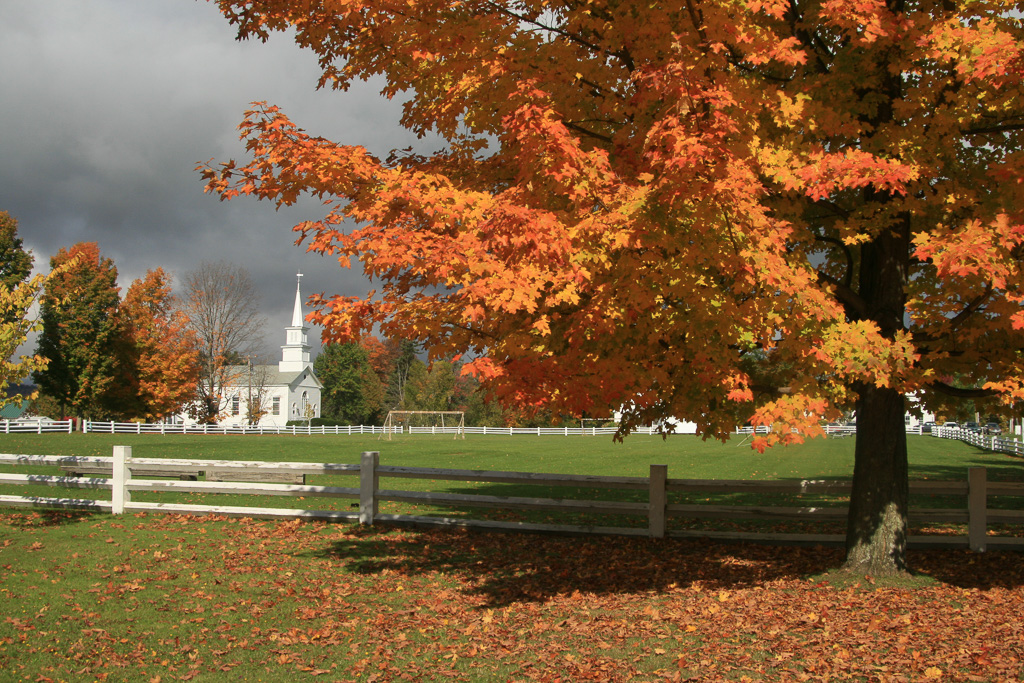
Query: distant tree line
x,y
111,357
149,355
365,380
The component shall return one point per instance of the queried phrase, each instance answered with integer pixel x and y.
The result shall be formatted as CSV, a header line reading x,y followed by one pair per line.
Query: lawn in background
x,y
688,457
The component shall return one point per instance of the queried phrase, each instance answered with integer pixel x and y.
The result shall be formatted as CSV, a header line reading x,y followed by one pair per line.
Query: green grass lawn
x,y
688,457
158,598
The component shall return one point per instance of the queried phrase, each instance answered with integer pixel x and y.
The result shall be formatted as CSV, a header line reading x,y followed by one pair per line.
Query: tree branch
x,y
957,392
589,133
621,54
995,128
972,307
852,302
845,248
959,319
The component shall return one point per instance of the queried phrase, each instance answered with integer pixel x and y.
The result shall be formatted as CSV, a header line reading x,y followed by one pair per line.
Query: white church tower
x,y
295,352
288,391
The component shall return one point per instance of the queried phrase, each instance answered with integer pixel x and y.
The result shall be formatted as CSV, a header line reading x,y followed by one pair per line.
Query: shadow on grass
x,y
506,568
999,467
45,518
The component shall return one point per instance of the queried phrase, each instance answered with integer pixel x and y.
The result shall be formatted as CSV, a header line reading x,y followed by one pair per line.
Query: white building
x,y
287,391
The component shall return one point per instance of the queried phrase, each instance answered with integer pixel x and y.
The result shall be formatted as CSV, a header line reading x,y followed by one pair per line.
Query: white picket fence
x,y
993,443
999,444
128,475
37,426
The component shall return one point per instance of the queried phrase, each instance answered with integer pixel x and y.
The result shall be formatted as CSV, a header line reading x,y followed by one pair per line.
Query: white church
x,y
287,391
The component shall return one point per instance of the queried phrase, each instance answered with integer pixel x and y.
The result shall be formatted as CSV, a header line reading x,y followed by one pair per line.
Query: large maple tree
x,y
723,210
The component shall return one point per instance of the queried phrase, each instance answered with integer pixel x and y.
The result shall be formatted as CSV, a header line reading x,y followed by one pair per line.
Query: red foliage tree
x,y
159,356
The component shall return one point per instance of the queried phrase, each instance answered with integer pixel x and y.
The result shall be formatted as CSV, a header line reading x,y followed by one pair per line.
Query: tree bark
x,y
876,533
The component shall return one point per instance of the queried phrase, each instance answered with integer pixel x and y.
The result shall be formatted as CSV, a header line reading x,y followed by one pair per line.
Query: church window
x,y
276,409
235,404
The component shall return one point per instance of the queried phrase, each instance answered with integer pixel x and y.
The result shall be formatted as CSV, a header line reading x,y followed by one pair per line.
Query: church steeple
x,y
298,320
295,352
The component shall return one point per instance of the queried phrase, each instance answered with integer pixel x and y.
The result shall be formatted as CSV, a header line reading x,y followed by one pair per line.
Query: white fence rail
x,y
531,431
122,475
830,429
998,444
994,443
141,428
36,426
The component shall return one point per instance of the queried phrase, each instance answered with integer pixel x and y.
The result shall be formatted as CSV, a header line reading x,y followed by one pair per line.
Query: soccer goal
x,y
426,422
592,426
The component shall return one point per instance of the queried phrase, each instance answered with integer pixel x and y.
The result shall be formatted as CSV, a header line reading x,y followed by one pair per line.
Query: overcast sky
x,y
107,106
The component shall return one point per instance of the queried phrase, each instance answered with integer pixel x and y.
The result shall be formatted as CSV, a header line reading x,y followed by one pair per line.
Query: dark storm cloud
x,y
106,106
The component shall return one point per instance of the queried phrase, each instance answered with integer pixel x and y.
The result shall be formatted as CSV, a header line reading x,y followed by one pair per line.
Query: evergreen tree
x,y
78,311
352,391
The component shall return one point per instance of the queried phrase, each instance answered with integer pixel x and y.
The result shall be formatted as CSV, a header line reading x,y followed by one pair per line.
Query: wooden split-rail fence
x,y
124,475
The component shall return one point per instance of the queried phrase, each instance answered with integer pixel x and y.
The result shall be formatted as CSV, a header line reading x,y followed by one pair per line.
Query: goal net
x,y
593,426
425,422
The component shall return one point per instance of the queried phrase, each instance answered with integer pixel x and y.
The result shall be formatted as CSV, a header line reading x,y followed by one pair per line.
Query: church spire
x,y
298,320
295,352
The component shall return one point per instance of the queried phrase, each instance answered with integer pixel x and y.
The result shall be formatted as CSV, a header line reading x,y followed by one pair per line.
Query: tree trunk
x,y
876,533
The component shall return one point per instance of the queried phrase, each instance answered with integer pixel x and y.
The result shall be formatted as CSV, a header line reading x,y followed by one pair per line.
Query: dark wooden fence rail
x,y
122,475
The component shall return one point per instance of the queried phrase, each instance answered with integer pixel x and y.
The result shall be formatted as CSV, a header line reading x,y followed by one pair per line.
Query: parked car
x,y
972,427
951,425
926,427
993,429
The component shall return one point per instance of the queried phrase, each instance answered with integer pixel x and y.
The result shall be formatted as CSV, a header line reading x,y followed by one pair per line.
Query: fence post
x,y
119,494
657,501
368,481
977,504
